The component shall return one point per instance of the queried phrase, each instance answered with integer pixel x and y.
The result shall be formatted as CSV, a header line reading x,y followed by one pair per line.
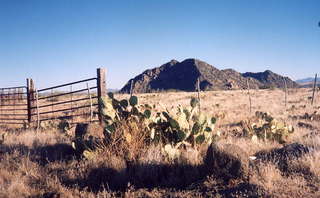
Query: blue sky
x,y
65,40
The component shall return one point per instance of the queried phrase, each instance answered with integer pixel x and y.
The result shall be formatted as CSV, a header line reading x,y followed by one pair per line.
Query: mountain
x,y
270,79
112,90
307,82
183,76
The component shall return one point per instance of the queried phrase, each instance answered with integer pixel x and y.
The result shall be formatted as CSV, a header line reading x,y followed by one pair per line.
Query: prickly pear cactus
x,y
115,111
182,127
173,129
267,128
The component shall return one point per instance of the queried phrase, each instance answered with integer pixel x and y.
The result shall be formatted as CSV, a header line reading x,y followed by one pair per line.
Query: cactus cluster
x,y
315,116
115,111
172,129
267,127
184,127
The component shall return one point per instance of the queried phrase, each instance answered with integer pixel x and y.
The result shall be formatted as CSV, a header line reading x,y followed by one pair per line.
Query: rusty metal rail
x,y
64,94
29,105
67,84
65,102
12,101
64,110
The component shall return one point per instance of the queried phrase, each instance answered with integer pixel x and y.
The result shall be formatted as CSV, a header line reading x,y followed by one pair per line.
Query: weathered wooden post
x,y
131,89
314,89
199,99
38,113
30,98
101,86
248,87
286,92
90,98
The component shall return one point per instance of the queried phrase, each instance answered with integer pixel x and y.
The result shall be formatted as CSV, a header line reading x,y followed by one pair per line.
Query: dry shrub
x,y
311,161
278,185
32,138
17,175
128,141
267,176
251,147
135,160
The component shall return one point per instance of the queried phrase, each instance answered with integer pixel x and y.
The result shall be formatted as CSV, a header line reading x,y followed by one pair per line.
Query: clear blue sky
x,y
64,40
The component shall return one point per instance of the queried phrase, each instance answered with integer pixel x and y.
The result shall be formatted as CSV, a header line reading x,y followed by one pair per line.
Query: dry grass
x,y
43,164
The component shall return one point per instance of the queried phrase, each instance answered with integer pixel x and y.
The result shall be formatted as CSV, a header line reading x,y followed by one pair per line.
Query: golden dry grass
x,y
43,164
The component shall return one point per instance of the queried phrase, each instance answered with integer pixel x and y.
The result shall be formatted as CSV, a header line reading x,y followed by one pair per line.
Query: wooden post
x,y
316,93
286,92
101,86
52,114
1,102
199,99
314,89
71,104
248,87
38,113
30,98
91,111
14,100
131,88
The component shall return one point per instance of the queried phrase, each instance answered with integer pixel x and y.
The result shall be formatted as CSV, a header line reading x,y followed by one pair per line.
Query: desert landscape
x,y
44,163
152,99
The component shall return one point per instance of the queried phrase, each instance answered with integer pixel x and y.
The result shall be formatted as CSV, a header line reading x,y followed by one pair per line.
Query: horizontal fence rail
x,y
64,85
23,105
63,94
13,101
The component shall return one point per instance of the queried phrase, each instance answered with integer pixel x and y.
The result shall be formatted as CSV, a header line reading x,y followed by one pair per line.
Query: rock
x,y
85,130
227,162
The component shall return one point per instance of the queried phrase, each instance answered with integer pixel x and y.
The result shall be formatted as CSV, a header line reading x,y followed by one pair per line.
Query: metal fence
x,y
28,105
13,105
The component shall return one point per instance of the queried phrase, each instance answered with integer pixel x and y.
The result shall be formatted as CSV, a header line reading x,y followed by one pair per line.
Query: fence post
x,y
30,97
101,87
285,91
314,88
199,99
131,88
248,87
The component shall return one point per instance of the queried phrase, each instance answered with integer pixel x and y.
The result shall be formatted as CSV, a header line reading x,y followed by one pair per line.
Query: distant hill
x,y
307,82
112,90
270,79
183,76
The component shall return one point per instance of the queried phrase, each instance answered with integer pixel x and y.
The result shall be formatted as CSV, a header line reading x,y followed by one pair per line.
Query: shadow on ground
x,y
42,154
283,157
174,176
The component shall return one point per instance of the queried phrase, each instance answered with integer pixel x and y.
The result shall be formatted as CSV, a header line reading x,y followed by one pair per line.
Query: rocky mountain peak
x,y
183,76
